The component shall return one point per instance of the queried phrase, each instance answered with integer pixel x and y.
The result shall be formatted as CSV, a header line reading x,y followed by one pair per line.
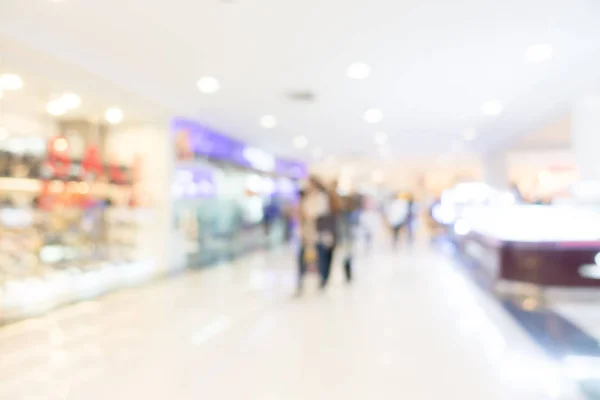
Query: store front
x,y
77,217
230,198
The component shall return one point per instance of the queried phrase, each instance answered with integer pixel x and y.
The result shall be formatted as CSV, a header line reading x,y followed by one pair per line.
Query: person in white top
x,y
398,213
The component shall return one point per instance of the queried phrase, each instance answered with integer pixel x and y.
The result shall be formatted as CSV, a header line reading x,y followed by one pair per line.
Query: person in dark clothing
x,y
410,219
319,209
270,215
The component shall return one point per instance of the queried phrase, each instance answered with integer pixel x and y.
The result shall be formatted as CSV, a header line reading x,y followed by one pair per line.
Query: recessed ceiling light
x,y
70,101
268,121
470,134
300,142
10,82
373,116
113,115
381,138
208,85
56,108
358,71
539,53
491,108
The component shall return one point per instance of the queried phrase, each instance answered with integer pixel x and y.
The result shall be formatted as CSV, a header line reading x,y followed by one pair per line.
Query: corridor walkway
x,y
412,326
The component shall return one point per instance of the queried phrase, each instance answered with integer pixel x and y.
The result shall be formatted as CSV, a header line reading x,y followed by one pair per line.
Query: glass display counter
x,y
543,245
50,258
74,222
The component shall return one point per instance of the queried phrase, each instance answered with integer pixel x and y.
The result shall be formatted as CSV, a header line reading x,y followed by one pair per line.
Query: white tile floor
x,y
411,327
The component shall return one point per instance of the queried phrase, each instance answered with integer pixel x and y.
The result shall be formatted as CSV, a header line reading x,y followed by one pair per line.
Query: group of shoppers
x,y
327,221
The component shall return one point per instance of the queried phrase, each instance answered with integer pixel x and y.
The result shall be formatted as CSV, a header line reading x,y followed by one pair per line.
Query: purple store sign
x,y
192,139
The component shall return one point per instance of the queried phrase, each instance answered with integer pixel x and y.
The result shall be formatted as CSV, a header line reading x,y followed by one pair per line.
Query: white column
x,y
495,170
585,137
153,143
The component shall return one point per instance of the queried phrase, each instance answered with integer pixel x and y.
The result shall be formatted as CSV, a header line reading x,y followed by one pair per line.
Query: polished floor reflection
x,y
411,326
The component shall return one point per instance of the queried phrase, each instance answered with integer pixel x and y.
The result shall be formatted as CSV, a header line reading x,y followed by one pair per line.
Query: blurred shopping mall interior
x,y
282,200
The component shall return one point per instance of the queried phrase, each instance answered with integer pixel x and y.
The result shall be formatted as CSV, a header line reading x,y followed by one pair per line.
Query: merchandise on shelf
x,y
70,229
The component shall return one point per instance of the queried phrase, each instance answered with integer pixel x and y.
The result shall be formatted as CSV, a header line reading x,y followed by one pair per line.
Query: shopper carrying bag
x,y
318,223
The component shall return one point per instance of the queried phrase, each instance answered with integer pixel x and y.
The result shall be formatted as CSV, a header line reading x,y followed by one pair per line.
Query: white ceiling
x,y
47,78
434,62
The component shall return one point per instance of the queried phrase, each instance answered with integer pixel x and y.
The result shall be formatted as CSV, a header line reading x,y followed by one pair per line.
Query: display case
x,y
542,245
71,227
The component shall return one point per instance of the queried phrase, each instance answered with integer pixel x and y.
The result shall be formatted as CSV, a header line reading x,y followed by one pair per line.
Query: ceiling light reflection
x,y
268,121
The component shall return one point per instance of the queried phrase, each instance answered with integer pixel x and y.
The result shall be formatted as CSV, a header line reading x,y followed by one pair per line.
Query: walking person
x,y
319,209
349,224
370,220
397,213
411,219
